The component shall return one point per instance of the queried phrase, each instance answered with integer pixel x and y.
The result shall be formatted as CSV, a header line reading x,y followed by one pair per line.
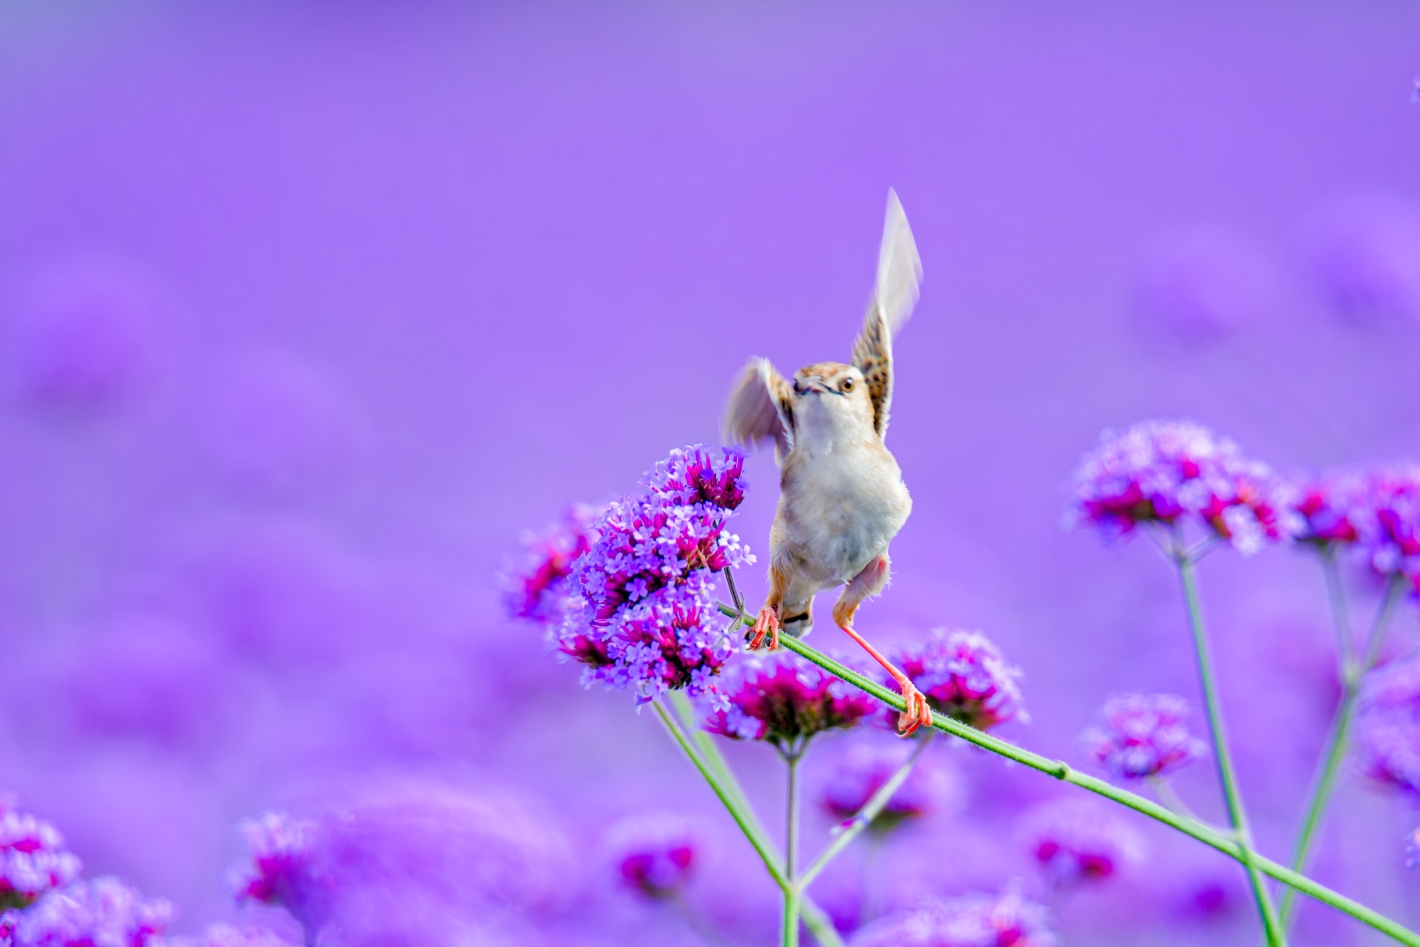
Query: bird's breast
x,y
842,508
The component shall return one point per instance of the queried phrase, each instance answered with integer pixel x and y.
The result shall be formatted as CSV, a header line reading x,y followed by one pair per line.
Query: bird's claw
x,y
766,625
916,712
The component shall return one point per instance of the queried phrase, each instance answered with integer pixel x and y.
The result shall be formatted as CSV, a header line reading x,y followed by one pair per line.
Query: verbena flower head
x,y
1007,919
32,857
1177,473
864,768
1388,726
784,700
964,676
1388,520
654,854
282,850
103,912
1329,505
535,588
1143,735
643,614
1075,840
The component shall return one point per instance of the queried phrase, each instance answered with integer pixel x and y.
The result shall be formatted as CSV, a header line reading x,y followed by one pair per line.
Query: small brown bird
x,y
842,498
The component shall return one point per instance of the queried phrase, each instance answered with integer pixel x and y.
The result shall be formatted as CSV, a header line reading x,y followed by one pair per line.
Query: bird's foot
x,y
766,625
916,712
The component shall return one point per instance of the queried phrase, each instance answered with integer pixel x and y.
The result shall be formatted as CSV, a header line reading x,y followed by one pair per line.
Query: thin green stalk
x,y
1062,771
1336,597
875,805
790,936
1335,751
819,923
1237,815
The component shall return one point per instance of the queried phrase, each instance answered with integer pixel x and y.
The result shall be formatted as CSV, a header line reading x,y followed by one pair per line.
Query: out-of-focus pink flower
x,y
1007,919
33,859
864,768
784,700
1076,840
1328,507
1177,472
103,912
654,854
281,871
1387,729
1143,735
964,676
641,613
1387,517
535,588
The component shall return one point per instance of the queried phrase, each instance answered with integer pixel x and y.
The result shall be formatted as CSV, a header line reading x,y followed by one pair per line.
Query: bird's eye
x,y
847,385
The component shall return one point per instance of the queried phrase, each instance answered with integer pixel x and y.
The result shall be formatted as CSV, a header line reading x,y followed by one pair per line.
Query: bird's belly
x,y
837,524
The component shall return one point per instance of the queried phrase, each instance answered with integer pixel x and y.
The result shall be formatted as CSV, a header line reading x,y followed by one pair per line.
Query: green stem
x,y
819,923
1336,596
790,933
865,816
1237,815
1060,770
1335,751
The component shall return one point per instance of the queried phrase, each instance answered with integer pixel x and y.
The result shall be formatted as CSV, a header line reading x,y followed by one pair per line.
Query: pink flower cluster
x,y
32,857
1076,840
1375,513
964,676
1007,919
654,854
1143,735
536,588
280,870
864,768
1388,726
784,700
1175,473
103,912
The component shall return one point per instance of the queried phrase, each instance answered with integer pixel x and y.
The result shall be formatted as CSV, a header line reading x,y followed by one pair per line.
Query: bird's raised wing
x,y
894,295
761,408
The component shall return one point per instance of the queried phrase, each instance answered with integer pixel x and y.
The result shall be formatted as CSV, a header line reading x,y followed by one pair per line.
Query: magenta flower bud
x,y
33,859
1076,840
964,676
654,854
784,700
1007,919
1143,735
1179,472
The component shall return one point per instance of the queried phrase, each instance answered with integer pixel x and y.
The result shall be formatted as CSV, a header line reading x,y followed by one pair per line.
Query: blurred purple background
x,y
308,310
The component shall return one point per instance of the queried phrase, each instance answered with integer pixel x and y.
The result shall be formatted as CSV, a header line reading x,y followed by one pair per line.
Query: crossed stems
x,y
1352,670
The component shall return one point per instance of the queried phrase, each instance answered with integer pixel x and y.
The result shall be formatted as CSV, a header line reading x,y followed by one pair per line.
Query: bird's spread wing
x,y
761,408
894,295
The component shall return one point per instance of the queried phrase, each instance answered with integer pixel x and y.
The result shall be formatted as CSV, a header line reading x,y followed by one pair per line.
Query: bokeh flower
x,y
281,871
1143,735
654,853
1078,840
32,857
643,615
1178,472
103,912
1328,506
1007,919
1388,520
535,588
1387,729
864,768
784,700
964,676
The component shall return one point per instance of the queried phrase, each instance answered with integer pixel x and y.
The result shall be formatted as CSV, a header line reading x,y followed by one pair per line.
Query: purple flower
x,y
282,851
654,853
784,700
642,612
864,768
964,676
1388,726
1328,506
104,912
1078,840
1007,919
226,935
1388,520
1177,472
32,857
1143,735
536,588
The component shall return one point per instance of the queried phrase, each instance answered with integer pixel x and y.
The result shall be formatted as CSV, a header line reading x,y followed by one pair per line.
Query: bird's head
x,y
832,398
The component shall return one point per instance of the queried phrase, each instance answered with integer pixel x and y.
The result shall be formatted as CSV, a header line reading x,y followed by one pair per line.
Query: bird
x,y
842,498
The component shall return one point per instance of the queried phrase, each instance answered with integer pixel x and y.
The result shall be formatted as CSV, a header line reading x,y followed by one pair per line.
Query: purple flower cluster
x,y
32,857
964,676
1388,726
103,912
654,854
280,872
784,700
1143,735
864,768
1007,919
535,589
1375,512
1177,472
643,614
1076,840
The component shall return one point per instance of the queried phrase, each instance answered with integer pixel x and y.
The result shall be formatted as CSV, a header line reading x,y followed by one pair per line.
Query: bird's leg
x,y
916,712
766,624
